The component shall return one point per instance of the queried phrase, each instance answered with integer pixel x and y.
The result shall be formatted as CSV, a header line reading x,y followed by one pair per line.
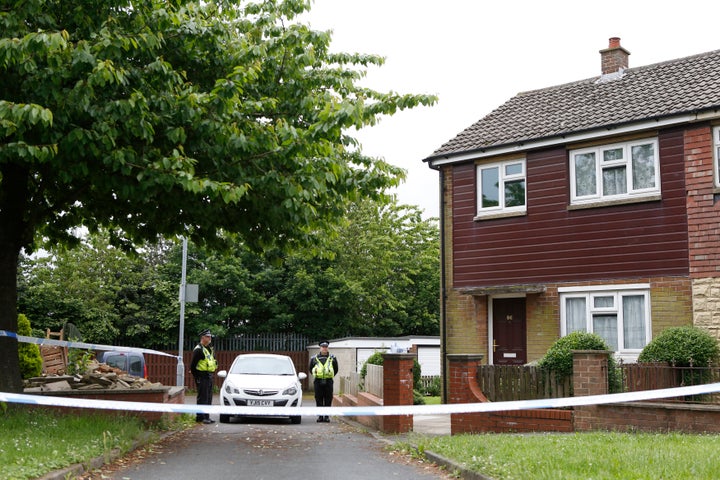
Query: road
x,y
266,448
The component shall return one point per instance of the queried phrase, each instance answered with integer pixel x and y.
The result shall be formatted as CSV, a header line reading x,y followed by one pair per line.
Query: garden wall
x,y
589,378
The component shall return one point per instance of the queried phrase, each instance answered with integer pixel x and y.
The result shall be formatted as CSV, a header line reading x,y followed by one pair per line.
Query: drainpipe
x,y
443,290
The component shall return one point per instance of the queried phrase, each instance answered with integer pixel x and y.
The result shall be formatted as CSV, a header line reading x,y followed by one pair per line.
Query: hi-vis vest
x,y
207,364
323,370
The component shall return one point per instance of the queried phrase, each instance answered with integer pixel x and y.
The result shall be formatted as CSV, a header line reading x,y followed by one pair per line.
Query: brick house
x,y
591,205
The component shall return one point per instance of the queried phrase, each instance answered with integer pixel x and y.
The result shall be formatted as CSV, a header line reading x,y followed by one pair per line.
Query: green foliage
x,y
158,119
43,441
375,359
559,358
417,372
435,387
682,346
29,353
116,297
79,360
418,398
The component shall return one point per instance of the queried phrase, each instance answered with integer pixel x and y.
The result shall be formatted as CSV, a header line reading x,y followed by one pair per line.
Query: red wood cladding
x,y
553,243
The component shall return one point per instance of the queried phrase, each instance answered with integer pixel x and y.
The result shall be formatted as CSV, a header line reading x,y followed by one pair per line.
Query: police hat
x,y
205,333
324,343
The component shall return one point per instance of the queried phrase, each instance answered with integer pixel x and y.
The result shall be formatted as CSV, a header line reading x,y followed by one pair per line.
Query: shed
x,y
352,352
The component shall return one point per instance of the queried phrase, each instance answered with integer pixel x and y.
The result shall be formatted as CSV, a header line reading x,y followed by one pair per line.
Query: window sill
x,y
494,216
611,203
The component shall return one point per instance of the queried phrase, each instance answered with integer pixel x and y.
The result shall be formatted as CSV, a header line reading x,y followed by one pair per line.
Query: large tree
x,y
159,118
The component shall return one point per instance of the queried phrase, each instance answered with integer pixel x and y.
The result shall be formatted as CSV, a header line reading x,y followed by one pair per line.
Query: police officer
x,y
324,367
202,366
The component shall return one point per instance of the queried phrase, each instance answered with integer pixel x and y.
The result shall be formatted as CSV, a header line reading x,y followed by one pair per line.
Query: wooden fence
x,y
502,383
522,382
374,380
651,376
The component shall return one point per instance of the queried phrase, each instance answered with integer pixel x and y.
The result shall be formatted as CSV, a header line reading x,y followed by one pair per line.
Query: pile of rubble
x,y
98,376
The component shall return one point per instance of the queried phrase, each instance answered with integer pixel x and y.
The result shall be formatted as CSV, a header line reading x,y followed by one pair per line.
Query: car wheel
x,y
296,420
224,418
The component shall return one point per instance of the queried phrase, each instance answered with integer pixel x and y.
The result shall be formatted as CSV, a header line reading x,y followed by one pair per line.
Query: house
x,y
352,352
591,205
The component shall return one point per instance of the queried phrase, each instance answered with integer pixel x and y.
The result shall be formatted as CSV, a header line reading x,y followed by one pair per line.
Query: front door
x,y
509,345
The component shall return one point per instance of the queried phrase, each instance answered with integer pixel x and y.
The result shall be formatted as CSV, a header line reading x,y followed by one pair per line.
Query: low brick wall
x,y
174,395
649,417
363,399
539,420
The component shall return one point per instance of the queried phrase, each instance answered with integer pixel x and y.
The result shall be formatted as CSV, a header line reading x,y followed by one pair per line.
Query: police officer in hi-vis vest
x,y
324,367
202,366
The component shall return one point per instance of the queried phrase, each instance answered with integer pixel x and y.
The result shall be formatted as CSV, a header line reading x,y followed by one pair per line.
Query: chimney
x,y
614,57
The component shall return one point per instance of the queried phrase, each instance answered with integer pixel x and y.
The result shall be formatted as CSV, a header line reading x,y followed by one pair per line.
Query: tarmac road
x,y
266,448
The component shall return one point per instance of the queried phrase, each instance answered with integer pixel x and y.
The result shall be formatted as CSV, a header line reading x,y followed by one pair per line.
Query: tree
x,y
109,295
163,118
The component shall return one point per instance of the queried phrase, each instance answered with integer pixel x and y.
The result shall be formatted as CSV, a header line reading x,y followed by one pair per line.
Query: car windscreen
x,y
263,366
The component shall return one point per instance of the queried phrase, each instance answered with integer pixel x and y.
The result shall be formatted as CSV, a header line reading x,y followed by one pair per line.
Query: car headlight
x,y
290,391
230,388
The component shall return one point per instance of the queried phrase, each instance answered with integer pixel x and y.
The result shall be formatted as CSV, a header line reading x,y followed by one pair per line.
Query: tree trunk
x,y
13,227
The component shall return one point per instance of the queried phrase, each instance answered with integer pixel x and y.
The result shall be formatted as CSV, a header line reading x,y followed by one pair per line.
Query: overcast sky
x,y
476,54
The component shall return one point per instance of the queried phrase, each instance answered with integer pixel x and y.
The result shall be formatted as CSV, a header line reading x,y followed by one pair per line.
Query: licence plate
x,y
260,403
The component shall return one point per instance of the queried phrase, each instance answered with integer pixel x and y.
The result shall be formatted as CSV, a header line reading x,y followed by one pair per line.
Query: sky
x,y
476,54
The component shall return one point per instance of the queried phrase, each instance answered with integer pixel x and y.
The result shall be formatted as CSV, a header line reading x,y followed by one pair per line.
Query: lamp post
x,y
181,366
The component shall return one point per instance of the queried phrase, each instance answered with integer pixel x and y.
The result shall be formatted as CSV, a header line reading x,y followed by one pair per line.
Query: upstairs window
x,y
614,172
501,187
716,149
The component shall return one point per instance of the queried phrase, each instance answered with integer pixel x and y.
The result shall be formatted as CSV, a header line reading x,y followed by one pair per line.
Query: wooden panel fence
x,y
502,383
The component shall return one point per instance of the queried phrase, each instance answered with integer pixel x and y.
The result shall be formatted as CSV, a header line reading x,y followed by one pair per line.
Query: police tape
x,y
86,346
445,409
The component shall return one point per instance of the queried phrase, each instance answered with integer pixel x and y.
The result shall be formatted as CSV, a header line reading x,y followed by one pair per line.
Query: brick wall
x,y
398,390
464,388
543,322
589,378
702,209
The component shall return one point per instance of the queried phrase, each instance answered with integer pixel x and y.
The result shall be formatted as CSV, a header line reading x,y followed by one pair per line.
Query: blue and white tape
x,y
85,346
362,411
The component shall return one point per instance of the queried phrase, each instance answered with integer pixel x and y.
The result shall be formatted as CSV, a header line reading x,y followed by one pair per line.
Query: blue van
x,y
131,362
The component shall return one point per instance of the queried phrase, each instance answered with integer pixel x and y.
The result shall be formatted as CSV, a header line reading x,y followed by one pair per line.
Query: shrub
x,y
559,358
375,359
682,347
28,353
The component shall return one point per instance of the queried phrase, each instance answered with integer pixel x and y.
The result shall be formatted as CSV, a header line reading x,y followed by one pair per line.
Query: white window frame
x,y
716,154
503,178
618,292
625,162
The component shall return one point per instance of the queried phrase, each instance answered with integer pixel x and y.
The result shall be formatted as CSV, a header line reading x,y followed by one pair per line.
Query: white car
x,y
261,380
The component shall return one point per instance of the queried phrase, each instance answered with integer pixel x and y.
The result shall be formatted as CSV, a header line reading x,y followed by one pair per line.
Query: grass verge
x,y
35,442
596,455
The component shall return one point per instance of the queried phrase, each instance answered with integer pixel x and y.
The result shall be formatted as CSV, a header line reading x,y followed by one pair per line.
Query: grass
x,y
35,442
596,455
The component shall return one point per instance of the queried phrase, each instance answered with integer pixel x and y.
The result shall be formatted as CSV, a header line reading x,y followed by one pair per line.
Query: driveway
x,y
269,448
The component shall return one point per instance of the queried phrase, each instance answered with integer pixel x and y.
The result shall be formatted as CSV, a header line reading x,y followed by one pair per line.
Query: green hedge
x,y
682,347
559,358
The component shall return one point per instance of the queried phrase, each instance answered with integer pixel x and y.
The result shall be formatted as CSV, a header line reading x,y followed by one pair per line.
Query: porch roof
x,y
502,289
